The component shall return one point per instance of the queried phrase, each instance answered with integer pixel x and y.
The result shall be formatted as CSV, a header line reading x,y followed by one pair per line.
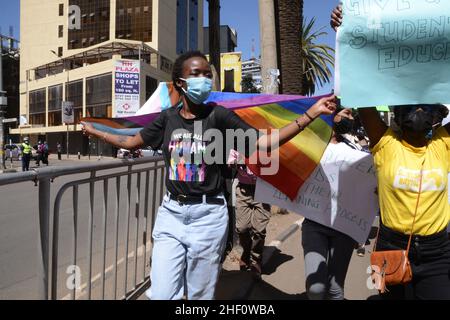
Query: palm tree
x,y
317,59
288,21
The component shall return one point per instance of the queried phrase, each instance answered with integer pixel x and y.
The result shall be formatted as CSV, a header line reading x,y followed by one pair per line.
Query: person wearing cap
x,y
26,154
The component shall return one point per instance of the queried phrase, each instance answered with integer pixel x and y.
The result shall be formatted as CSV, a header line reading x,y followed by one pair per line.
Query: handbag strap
x,y
415,213
417,207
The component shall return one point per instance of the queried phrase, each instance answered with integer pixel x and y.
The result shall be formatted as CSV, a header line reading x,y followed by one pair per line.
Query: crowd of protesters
x,y
192,223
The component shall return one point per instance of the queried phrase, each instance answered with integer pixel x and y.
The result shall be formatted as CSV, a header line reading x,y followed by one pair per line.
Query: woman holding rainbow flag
x,y
191,225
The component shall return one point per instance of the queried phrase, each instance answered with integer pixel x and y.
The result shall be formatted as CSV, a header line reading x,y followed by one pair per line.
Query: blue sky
x,y
241,15
9,16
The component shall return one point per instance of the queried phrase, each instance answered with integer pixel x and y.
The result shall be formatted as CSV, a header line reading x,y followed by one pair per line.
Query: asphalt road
x,y
19,230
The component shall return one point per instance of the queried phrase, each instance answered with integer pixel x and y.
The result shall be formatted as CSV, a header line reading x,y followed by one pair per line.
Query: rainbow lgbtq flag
x,y
298,157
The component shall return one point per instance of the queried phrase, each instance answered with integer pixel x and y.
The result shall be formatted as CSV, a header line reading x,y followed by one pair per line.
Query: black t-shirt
x,y
194,160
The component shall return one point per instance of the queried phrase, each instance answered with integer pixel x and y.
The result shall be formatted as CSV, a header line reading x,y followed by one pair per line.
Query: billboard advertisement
x,y
126,88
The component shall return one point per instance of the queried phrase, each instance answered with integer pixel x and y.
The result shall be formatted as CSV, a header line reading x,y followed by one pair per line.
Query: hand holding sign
x,y
393,52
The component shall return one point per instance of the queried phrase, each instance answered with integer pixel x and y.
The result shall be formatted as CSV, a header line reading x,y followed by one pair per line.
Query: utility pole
x,y
3,104
269,54
66,96
214,38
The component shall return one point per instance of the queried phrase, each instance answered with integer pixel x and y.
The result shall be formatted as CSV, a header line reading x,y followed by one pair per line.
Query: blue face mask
x,y
198,89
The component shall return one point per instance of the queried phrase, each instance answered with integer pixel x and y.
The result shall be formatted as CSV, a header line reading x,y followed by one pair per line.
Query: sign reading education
x,y
339,194
393,52
127,88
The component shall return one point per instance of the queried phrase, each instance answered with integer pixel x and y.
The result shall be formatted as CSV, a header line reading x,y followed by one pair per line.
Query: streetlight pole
x,y
66,98
3,104
214,37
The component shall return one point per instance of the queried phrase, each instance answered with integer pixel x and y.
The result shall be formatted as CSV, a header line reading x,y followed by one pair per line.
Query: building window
x,y
95,23
37,100
136,24
54,118
61,9
60,51
75,94
55,98
60,31
99,96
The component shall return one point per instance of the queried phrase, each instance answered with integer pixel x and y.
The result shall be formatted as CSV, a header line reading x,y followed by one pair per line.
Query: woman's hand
x,y
324,106
336,17
88,129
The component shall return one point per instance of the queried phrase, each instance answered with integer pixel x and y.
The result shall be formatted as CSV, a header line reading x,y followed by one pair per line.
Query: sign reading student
x,y
127,88
339,194
393,52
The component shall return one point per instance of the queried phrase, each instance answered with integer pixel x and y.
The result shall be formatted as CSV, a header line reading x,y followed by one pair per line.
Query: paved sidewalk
x,y
283,268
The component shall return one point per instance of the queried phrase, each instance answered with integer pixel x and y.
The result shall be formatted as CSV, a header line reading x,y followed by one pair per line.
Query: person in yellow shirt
x,y
400,158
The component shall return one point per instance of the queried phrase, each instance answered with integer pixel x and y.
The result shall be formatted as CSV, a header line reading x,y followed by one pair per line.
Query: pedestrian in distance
x,y
191,225
59,150
39,148
26,151
45,153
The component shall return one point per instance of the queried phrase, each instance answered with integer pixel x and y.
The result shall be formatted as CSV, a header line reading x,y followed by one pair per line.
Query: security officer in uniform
x,y
26,154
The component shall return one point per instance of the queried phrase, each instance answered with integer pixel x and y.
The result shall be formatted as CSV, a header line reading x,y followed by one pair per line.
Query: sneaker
x,y
361,250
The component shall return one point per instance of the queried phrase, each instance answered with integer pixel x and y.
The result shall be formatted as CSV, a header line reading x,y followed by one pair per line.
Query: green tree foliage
x,y
317,59
248,86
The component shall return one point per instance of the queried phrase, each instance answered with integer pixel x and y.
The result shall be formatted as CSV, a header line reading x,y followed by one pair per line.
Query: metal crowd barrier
x,y
149,169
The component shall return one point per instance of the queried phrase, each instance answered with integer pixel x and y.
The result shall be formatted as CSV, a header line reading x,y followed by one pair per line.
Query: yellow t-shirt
x,y
398,167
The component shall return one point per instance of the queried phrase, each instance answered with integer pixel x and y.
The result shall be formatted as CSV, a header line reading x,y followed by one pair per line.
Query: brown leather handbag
x,y
392,267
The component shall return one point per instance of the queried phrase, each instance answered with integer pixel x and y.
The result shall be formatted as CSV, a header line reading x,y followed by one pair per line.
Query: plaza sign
x,y
126,88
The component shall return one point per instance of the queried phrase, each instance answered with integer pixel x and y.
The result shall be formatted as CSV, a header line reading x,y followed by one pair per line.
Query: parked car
x,y
126,154
150,153
139,153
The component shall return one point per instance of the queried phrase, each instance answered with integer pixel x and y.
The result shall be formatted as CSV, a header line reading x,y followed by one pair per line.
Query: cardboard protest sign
x,y
393,52
339,194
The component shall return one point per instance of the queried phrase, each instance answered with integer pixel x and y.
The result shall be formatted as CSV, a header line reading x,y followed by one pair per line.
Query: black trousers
x,y
26,157
430,263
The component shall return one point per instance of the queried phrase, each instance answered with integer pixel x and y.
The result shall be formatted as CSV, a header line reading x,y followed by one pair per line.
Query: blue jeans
x,y
188,243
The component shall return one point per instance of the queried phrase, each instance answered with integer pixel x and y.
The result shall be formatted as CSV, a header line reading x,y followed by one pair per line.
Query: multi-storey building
x,y
82,52
252,67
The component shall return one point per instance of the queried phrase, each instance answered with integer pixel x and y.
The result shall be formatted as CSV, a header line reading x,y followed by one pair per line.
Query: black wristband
x,y
298,124
310,118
